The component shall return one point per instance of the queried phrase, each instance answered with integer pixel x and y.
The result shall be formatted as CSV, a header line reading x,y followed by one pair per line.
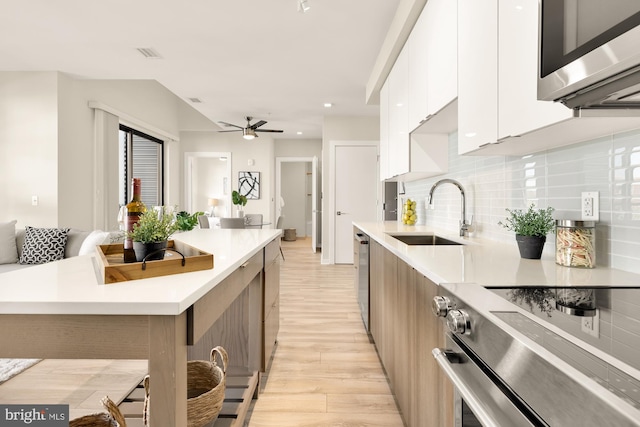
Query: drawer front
x,y
271,327
271,286
251,267
271,251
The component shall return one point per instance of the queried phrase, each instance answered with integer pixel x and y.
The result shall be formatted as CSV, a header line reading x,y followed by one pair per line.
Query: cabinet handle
x,y
478,408
245,264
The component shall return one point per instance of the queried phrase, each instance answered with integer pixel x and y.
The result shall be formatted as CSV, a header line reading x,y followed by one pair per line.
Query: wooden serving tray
x,y
113,268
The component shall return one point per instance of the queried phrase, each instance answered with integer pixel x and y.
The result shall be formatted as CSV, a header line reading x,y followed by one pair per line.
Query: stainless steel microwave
x,y
589,53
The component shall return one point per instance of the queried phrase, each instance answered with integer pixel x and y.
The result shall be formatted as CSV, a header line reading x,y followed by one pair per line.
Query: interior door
x,y
314,204
355,194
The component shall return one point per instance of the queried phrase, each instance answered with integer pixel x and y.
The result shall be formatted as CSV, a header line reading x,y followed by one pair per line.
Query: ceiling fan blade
x,y
269,130
230,124
257,124
232,130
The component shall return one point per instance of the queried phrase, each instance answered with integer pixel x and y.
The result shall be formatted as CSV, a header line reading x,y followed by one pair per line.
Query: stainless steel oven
x,y
529,365
588,53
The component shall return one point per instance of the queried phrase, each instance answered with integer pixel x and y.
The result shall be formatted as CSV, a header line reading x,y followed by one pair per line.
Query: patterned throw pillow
x,y
42,245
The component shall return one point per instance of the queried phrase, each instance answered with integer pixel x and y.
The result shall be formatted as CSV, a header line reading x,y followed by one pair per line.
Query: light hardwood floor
x,y
325,372
79,383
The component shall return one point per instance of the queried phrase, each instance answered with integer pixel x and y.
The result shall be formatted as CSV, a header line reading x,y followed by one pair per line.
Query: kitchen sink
x,y
418,239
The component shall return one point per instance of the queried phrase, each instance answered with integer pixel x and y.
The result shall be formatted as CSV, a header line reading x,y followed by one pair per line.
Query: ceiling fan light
x,y
248,133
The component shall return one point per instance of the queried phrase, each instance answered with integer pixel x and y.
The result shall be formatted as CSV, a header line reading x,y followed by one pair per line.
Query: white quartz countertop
x,y
487,262
74,286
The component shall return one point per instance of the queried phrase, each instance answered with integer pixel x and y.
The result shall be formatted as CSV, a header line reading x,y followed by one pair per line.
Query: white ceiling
x,y
261,58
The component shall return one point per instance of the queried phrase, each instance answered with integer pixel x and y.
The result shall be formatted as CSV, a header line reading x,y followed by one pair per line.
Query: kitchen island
x,y
62,310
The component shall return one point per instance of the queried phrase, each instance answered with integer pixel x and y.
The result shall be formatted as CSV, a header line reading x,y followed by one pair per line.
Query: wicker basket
x,y
206,383
113,419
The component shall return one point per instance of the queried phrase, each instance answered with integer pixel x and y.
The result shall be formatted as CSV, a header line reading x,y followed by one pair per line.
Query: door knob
x,y
341,213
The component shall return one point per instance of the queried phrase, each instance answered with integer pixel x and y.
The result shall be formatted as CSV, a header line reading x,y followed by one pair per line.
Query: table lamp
x,y
213,203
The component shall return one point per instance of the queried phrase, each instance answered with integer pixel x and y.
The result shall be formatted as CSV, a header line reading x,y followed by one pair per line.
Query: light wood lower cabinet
x,y
245,311
234,307
405,331
271,323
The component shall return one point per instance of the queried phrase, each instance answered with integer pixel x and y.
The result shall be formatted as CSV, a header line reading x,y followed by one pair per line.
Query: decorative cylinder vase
x,y
576,243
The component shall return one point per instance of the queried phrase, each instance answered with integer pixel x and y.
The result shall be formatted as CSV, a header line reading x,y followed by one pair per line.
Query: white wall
x,y
341,129
299,148
208,179
47,140
260,150
294,193
29,148
297,215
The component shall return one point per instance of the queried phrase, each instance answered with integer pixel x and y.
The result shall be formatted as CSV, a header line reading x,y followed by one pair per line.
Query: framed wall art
x,y
249,184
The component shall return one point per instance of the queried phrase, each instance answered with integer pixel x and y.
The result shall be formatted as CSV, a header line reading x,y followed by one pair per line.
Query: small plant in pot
x,y
186,221
531,228
151,234
240,200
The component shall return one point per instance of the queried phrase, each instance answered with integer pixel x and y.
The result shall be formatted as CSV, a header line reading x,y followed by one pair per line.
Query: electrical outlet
x,y
591,325
590,206
34,200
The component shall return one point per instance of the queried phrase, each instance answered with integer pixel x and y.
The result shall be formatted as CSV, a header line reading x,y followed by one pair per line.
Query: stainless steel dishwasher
x,y
362,241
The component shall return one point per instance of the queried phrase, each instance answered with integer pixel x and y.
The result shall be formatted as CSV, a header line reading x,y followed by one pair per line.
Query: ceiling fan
x,y
249,131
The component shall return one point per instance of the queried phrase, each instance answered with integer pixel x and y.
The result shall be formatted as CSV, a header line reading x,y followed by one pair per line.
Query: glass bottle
x,y
135,208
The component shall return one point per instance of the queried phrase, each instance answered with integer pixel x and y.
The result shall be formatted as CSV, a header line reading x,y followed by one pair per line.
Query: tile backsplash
x,y
554,178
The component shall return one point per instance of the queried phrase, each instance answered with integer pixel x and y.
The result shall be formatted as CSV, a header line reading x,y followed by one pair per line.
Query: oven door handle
x,y
442,357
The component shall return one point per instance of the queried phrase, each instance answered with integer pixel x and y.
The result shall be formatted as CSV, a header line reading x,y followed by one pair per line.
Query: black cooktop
x,y
607,319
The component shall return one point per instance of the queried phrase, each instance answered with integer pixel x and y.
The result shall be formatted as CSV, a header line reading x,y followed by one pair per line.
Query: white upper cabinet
x,y
477,73
418,66
417,101
519,110
383,151
433,61
498,109
442,50
497,55
398,128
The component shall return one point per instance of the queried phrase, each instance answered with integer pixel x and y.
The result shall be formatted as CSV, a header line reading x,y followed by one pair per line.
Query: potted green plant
x,y
186,221
151,234
240,200
531,228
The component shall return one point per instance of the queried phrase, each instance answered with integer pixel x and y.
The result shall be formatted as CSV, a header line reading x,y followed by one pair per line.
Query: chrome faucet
x,y
464,225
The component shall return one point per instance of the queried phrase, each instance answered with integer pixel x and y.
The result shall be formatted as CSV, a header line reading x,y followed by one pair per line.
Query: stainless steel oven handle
x,y
469,397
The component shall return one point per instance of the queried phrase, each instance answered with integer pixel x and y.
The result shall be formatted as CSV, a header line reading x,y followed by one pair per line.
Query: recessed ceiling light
x,y
299,133
328,105
303,6
149,52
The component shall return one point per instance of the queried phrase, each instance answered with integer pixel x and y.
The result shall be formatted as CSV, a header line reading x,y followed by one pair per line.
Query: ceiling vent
x,y
195,100
149,52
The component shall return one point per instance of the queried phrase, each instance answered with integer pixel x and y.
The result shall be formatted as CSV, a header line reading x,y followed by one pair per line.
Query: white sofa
x,y
78,242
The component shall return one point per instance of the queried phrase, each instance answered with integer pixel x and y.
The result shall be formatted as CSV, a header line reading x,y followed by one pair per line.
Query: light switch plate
x,y
590,206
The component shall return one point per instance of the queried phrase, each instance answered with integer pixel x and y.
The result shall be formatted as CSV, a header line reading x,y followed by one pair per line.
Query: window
x,y
141,156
